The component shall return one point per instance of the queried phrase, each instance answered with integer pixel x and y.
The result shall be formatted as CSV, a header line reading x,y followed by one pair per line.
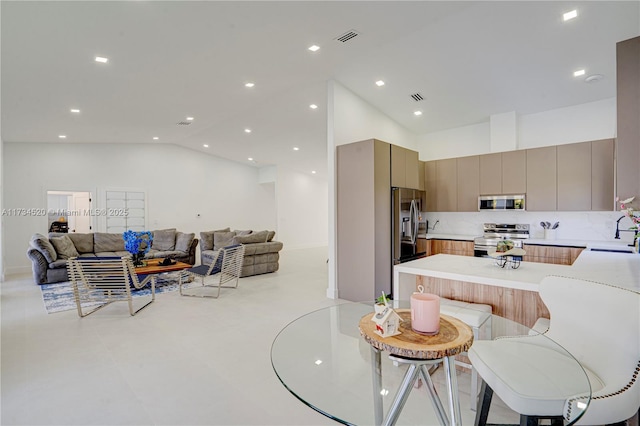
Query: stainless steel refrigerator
x,y
406,205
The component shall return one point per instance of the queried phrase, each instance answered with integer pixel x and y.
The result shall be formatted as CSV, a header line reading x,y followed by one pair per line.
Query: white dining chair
x,y
599,325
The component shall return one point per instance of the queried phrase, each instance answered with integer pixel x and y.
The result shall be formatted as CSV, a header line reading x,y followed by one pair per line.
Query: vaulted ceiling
x,y
169,60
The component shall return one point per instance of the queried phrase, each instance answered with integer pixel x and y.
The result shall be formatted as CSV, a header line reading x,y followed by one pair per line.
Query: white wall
x,y
180,184
302,209
578,123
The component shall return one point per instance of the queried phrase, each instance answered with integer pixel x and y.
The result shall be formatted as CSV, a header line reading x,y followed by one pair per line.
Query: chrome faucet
x,y
617,237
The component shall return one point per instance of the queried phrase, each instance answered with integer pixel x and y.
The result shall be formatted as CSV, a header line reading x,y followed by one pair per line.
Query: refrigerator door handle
x,y
414,221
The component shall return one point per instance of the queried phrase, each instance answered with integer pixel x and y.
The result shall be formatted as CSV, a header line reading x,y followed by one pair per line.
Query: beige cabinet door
x,y
541,179
430,187
574,176
421,172
514,172
398,164
412,179
447,185
468,177
491,174
602,170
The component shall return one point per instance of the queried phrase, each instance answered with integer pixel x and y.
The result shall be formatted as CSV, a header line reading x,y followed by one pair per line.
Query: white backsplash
x,y
590,226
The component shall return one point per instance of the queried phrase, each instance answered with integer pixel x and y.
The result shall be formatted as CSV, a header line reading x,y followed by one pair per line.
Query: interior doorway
x,y
69,211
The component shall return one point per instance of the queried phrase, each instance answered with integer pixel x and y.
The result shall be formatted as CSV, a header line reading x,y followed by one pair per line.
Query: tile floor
x,y
181,361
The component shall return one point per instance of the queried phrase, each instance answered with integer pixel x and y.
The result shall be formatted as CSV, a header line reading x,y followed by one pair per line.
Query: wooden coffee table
x,y
153,267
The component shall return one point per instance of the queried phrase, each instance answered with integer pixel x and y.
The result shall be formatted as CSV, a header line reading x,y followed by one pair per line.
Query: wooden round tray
x,y
454,337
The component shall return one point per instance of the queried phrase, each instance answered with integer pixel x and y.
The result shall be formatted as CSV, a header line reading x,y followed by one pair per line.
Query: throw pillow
x,y
64,247
271,235
254,237
105,242
43,245
222,239
183,241
82,242
206,239
247,232
164,239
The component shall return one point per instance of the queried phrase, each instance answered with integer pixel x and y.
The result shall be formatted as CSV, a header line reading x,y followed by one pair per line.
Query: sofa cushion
x,y
183,241
44,246
247,232
271,235
60,263
164,239
206,238
82,242
64,247
222,239
104,242
254,237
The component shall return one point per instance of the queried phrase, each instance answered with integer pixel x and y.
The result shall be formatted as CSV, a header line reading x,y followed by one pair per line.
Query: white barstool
x,y
478,317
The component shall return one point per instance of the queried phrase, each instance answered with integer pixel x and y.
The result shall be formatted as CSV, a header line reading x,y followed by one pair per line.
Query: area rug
x,y
58,297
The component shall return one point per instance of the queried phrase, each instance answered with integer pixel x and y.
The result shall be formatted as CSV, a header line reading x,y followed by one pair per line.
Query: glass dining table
x,y
323,359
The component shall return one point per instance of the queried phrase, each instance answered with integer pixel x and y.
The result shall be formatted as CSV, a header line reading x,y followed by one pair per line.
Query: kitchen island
x,y
513,293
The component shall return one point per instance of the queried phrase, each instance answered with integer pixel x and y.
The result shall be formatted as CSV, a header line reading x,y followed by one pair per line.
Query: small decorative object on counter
x,y
510,258
504,245
425,312
386,319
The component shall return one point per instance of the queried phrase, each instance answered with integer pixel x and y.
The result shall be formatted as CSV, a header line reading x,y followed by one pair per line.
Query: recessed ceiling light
x,y
75,111
62,136
578,73
379,83
247,130
250,158
102,59
155,138
570,15
249,84
313,106
295,148
417,113
189,118
314,48
205,145
313,172
318,362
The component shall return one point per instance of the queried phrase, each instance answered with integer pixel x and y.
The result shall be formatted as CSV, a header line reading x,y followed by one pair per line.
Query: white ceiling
x,y
172,59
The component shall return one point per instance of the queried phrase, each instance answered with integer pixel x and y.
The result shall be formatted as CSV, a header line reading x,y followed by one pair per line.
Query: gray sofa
x,y
261,253
49,254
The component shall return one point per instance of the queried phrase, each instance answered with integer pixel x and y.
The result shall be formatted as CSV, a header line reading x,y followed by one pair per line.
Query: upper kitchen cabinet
x,y
404,168
503,173
541,179
468,186
514,172
446,185
574,176
628,111
602,175
491,174
430,187
421,173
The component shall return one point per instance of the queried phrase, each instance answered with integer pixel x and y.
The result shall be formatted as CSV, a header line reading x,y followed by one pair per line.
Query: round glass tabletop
x,y
323,360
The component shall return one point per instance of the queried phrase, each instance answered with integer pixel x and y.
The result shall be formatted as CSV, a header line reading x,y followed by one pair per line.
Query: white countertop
x,y
611,245
621,269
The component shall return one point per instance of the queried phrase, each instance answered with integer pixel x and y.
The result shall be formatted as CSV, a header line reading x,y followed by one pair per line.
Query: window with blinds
x,y
125,210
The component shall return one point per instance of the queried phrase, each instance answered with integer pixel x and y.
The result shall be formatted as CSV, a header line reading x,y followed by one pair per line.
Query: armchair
x,y
225,268
103,280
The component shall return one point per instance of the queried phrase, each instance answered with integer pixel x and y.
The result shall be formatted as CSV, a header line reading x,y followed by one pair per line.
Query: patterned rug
x,y
58,297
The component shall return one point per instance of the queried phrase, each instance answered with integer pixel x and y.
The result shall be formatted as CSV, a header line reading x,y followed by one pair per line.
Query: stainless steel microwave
x,y
501,202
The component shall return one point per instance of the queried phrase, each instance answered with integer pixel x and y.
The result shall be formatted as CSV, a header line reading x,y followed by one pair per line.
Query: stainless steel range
x,y
494,232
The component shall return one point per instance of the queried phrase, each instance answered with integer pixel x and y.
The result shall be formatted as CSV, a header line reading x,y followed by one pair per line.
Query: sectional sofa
x,y
49,254
261,253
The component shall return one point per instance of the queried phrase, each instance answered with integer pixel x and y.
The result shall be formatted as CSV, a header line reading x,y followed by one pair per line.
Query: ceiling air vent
x,y
349,35
184,123
417,97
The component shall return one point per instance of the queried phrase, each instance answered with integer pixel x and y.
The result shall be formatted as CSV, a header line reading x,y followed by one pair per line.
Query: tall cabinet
x,y
363,220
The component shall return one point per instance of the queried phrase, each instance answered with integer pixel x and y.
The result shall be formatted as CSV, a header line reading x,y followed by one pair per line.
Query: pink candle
x,y
425,313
